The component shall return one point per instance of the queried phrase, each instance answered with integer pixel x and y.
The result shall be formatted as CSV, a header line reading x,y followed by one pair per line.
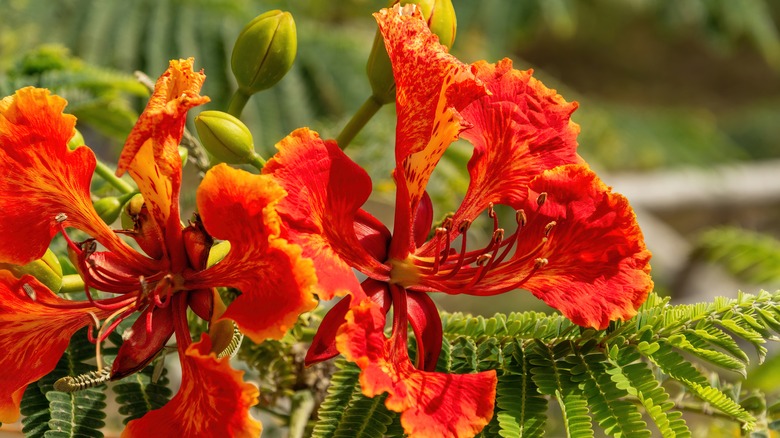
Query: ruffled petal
x,y
431,87
582,251
598,267
44,178
35,328
520,130
431,404
325,190
275,280
151,152
213,401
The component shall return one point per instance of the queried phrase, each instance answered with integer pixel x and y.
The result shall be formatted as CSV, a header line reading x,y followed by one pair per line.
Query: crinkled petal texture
x,y
42,176
431,87
520,130
213,401
151,152
275,280
33,335
325,190
431,404
598,268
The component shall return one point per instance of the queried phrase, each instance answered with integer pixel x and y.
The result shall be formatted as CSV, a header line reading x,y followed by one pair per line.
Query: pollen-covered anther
x,y
483,259
540,262
29,291
548,228
521,218
541,199
60,218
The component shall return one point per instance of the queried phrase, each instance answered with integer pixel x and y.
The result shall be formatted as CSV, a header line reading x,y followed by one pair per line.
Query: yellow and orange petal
x,y
431,404
151,151
33,336
431,87
598,267
42,177
520,130
275,280
325,190
213,401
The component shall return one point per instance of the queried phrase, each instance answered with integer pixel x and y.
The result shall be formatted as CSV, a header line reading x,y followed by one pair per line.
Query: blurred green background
x,y
679,103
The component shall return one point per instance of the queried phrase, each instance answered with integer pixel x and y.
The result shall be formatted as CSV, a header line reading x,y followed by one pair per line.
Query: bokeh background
x,y
679,104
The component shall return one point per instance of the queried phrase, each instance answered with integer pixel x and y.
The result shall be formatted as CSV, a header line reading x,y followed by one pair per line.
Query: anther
x,y
29,291
549,228
540,200
498,236
61,217
464,226
521,218
483,259
447,223
540,262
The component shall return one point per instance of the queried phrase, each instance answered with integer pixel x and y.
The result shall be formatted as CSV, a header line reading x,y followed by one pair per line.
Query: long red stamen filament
x,y
61,218
440,234
108,326
463,229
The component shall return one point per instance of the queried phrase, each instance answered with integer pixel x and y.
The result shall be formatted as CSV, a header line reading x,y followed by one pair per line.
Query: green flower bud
x,y
108,208
218,252
225,137
264,51
183,154
75,141
47,270
131,210
440,15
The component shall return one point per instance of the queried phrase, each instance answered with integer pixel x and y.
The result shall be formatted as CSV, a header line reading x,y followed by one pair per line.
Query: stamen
x,y
463,228
540,200
492,214
30,291
107,327
521,218
96,325
549,228
439,235
60,218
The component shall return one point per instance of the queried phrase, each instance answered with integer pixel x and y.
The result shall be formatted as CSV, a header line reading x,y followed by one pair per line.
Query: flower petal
x,y
44,178
325,190
241,207
35,328
431,404
520,130
591,263
431,87
151,152
213,401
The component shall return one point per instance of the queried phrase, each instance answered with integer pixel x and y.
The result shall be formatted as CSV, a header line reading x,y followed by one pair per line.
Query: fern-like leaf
x,y
521,411
138,394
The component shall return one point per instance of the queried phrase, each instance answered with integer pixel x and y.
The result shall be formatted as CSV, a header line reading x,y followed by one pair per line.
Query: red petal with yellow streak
x,y
42,177
522,129
431,404
325,190
35,328
275,280
431,87
151,152
213,401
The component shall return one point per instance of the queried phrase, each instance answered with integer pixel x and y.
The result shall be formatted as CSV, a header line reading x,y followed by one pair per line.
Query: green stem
x,y
237,103
72,283
108,175
301,409
358,121
257,161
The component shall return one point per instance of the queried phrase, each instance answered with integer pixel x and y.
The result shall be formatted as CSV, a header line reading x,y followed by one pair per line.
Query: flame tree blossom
x,y
574,244
45,189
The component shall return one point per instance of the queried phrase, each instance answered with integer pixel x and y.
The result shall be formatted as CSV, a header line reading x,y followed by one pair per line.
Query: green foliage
x,y
53,414
141,392
749,255
599,379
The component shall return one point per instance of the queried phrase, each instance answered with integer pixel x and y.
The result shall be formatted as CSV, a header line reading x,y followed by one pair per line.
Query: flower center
x,y
404,272
450,269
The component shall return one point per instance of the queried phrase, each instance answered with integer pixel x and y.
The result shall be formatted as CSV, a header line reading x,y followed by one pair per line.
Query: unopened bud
x,y
440,15
108,208
76,141
225,137
46,269
183,155
264,51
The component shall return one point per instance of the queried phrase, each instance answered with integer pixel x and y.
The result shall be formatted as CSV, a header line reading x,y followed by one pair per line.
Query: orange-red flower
x,y
573,243
44,188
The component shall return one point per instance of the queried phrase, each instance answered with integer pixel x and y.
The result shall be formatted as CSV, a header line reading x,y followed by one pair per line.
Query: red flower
x,y
45,188
576,245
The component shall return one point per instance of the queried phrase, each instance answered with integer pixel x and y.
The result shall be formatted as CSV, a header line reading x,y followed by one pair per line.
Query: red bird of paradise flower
x,y
576,245
45,188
